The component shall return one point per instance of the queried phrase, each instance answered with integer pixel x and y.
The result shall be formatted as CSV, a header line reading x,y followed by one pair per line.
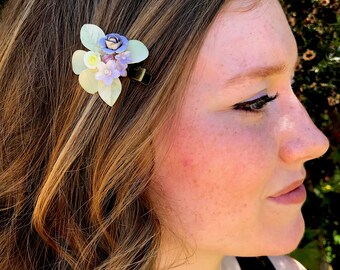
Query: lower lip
x,y
295,196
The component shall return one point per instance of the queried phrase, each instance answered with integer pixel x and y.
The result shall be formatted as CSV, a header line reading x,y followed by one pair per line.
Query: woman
x,y
203,164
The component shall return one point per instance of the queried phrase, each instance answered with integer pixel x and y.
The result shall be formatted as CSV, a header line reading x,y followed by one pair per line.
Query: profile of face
x,y
224,169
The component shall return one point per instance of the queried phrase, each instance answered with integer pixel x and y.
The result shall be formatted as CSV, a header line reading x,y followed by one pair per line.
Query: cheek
x,y
214,169
210,152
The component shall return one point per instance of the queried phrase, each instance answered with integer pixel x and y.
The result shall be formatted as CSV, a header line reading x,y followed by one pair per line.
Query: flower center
x,y
113,39
107,72
113,43
93,60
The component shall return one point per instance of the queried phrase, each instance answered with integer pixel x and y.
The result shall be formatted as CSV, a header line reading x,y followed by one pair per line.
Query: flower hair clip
x,y
108,58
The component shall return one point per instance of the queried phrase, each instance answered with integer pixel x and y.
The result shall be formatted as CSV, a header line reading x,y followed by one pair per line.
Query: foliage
x,y
316,25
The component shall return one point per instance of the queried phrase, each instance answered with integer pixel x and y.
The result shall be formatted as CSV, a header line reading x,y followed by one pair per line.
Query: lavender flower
x,y
113,43
124,57
121,68
107,57
107,72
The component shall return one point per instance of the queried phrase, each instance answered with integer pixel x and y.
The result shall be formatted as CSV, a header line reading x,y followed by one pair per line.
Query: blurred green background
x,y
316,25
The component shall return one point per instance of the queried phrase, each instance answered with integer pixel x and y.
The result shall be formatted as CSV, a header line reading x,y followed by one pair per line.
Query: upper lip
x,y
288,188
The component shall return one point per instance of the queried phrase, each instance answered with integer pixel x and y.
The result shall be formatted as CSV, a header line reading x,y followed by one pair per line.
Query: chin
x,y
288,238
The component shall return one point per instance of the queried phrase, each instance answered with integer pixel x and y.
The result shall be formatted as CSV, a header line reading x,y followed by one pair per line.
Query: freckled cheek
x,y
212,156
215,175
202,147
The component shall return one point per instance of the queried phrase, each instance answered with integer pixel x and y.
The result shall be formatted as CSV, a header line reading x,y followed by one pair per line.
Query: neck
x,y
175,254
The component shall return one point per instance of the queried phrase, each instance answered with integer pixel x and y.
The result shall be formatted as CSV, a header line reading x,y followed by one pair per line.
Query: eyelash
x,y
255,105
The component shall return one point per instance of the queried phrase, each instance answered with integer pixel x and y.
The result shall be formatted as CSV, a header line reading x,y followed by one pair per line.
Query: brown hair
x,y
74,171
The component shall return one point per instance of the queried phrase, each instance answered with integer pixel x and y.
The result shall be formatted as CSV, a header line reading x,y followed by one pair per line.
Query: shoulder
x,y
286,262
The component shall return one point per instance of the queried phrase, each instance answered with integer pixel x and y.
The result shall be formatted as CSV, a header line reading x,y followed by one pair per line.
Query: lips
x,y
294,193
288,188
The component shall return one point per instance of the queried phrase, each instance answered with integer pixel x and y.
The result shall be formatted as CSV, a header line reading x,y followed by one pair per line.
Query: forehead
x,y
240,40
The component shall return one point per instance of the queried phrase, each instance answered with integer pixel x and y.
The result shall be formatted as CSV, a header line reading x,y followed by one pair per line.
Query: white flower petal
x,y
88,81
90,35
139,51
78,61
110,93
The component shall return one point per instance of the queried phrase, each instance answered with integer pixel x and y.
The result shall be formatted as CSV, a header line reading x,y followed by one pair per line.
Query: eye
x,y
255,105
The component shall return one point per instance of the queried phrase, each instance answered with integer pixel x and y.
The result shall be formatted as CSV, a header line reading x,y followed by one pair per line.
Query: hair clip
x,y
108,58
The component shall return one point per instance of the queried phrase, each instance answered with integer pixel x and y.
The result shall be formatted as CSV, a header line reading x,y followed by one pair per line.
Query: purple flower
x,y
107,72
113,43
124,57
107,57
121,68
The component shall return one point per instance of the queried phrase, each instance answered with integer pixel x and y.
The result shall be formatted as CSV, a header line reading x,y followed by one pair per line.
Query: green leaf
x,y
337,239
110,93
138,50
310,255
88,81
311,234
78,61
90,35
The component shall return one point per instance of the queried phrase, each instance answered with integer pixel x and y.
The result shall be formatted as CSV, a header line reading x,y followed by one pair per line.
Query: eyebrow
x,y
260,72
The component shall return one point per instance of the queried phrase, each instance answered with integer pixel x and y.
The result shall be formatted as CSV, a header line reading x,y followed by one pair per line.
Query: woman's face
x,y
235,146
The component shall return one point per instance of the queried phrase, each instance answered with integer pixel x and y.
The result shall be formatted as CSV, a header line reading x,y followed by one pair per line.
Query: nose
x,y
301,140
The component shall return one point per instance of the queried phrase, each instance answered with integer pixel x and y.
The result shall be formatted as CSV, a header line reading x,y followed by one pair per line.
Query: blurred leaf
x,y
309,255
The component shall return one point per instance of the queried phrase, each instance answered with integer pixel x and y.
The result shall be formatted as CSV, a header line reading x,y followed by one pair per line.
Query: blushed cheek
x,y
211,179
212,160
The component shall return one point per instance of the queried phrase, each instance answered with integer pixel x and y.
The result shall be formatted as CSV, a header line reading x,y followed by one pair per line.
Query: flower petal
x,y
139,51
90,35
88,81
78,61
110,93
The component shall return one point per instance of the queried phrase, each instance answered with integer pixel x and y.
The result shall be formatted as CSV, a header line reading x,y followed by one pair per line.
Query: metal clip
x,y
138,74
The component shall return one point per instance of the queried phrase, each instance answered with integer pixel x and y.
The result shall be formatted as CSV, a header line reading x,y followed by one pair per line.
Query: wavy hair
x,y
74,172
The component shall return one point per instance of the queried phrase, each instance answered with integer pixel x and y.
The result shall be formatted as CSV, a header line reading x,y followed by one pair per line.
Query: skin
x,y
216,167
